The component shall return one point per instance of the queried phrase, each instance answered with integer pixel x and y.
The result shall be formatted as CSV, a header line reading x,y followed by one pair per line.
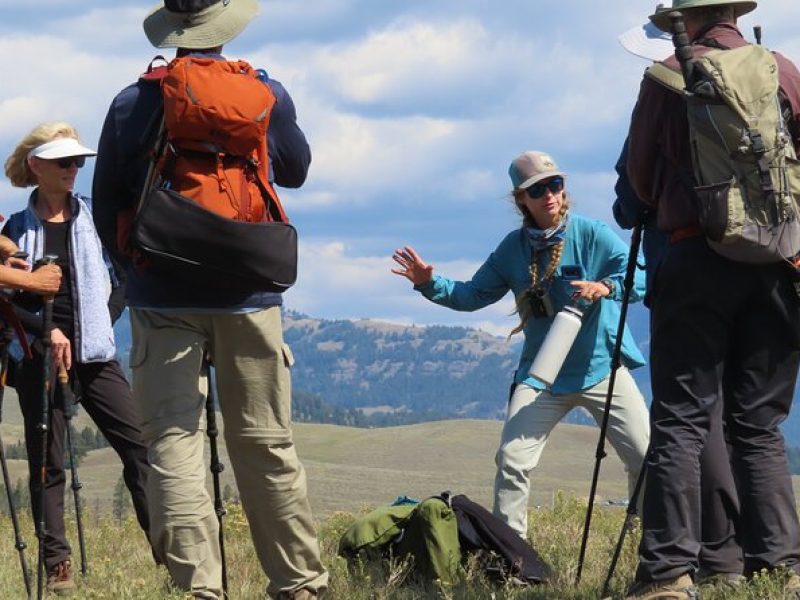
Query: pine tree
x,y
121,502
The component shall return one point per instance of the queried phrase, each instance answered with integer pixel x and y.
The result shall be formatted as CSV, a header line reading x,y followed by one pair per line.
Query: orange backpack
x,y
208,213
216,115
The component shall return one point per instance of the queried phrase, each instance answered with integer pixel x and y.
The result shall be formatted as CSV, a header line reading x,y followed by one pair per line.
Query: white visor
x,y
61,148
647,41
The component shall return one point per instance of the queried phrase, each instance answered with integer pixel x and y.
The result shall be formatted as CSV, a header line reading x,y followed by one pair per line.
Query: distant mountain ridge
x,y
413,373
379,366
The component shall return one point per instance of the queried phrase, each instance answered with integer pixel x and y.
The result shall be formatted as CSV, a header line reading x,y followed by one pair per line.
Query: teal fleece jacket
x,y
600,254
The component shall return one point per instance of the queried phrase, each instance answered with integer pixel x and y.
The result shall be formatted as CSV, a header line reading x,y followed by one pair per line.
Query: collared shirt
x,y
599,253
659,156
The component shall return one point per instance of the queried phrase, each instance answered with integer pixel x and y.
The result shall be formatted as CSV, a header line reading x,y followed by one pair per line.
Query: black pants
x,y
723,332
106,396
720,549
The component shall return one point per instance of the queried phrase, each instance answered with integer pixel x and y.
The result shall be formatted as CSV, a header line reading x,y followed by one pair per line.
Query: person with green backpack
x,y
712,148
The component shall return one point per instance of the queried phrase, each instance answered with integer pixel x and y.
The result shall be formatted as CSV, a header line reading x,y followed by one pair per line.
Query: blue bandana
x,y
541,239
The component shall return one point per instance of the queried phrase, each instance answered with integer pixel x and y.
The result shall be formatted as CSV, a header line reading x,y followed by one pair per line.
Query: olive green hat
x,y
198,24
661,19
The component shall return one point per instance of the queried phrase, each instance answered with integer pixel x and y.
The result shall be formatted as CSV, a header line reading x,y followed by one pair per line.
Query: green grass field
x,y
349,471
349,468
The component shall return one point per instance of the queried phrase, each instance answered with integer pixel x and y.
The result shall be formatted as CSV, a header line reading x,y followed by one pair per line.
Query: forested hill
x,y
385,368
369,372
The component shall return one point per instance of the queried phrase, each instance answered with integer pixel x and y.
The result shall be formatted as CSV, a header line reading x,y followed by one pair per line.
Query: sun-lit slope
x,y
348,467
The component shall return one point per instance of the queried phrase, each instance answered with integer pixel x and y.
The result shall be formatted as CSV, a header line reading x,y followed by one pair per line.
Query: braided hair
x,y
523,300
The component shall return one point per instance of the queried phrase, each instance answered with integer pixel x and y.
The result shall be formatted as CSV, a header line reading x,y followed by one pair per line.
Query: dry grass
x,y
121,566
352,469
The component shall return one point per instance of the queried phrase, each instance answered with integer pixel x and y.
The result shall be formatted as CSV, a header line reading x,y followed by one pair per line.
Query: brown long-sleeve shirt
x,y
659,156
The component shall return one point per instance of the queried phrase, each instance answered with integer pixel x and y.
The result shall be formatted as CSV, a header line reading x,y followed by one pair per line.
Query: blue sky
x,y
413,111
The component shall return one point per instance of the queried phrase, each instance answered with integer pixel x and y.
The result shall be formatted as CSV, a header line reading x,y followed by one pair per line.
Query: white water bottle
x,y
556,345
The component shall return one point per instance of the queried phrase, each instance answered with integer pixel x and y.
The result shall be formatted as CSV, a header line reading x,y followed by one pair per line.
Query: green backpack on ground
x,y
427,532
745,168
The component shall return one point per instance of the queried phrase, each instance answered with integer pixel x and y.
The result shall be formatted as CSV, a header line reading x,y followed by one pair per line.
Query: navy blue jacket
x,y
629,210
122,161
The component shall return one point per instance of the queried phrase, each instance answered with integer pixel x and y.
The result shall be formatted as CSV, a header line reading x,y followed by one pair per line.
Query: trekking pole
x,y
70,410
43,426
629,514
696,85
636,239
216,468
757,33
19,544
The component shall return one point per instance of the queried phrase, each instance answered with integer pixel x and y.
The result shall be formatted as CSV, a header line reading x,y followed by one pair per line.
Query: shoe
x,y
731,581
59,579
792,585
301,594
680,588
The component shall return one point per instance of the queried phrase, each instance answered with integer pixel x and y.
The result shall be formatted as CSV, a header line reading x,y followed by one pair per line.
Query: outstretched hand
x,y
412,267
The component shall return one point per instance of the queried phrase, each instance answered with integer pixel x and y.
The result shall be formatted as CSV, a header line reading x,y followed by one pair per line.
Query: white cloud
x,y
62,80
334,282
110,29
413,111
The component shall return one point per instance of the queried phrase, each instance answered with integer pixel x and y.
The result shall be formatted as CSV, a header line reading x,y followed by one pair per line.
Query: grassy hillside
x,y
349,471
349,467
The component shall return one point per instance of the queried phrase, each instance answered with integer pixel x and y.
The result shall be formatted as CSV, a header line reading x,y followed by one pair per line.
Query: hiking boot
x,y
731,581
59,578
792,585
680,588
301,594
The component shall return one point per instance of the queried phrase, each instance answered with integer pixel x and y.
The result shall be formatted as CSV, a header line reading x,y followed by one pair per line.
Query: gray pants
x,y
532,414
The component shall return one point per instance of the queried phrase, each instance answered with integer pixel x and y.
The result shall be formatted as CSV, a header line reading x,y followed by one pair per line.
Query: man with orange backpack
x,y
183,195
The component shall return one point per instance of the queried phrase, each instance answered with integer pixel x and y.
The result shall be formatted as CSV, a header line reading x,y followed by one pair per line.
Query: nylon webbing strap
x,y
764,176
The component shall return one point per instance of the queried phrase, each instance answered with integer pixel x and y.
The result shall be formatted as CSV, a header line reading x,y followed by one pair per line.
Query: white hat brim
x,y
61,148
647,41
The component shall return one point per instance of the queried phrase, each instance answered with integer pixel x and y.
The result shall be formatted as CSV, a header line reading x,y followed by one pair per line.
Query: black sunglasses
x,y
68,161
555,185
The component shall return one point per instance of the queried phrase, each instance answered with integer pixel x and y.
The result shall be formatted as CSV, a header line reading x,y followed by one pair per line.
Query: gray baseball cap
x,y
532,166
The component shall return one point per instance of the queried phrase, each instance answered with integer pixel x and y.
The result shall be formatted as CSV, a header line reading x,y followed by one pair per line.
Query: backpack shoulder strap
x,y
155,73
662,74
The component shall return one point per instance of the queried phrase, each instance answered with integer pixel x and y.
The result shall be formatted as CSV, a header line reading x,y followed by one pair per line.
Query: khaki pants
x,y
254,390
532,414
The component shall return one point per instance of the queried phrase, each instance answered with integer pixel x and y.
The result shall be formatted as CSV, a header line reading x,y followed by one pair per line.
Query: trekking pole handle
x,y
757,33
47,259
63,376
683,47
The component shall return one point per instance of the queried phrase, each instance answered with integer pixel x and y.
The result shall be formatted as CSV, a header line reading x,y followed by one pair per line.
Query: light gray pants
x,y
531,416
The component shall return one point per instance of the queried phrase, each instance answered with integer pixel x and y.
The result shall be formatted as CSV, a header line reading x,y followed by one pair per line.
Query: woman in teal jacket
x,y
556,259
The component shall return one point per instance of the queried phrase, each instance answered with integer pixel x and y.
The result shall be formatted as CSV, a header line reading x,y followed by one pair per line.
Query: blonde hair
x,y
17,169
523,300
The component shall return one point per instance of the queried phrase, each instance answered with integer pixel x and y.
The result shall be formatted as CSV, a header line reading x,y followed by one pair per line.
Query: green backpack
x,y
427,532
744,163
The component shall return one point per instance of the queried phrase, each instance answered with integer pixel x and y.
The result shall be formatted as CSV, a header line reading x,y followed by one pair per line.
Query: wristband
x,y
610,285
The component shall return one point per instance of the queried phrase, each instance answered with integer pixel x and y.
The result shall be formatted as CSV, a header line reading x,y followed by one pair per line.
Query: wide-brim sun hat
x,y
647,41
198,24
61,148
532,166
661,17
